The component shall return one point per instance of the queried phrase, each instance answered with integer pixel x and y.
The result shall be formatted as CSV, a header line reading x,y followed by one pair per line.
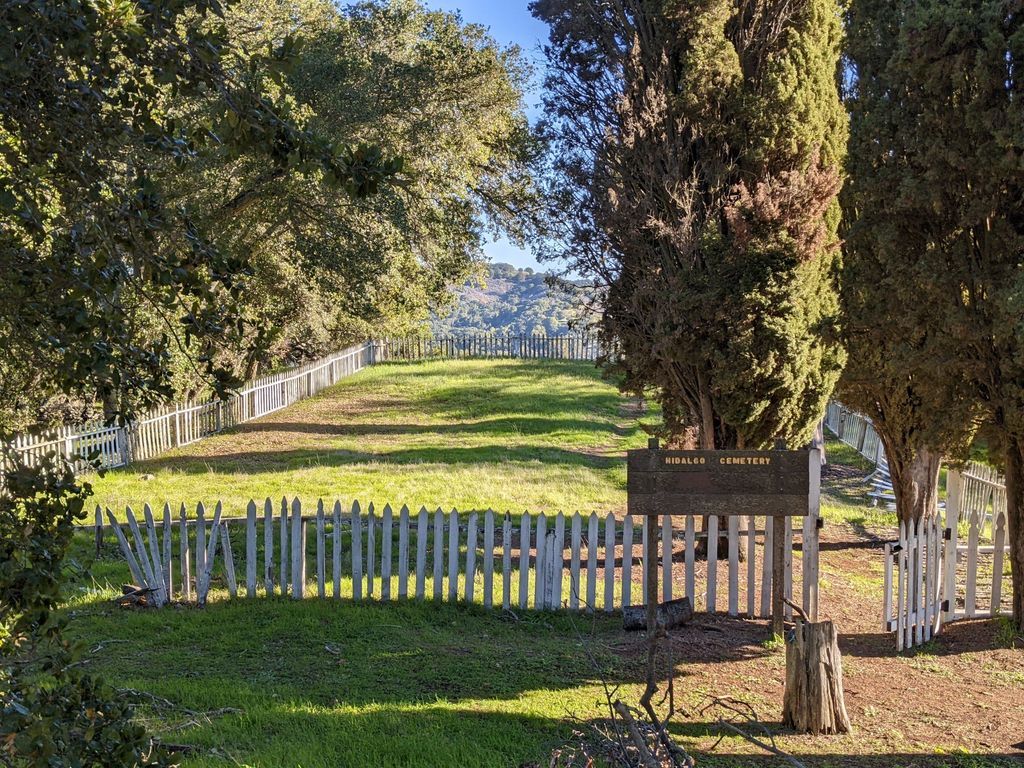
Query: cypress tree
x,y
699,147
941,122
900,297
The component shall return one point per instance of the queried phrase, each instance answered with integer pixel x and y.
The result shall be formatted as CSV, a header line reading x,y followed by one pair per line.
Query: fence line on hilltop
x,y
490,345
177,424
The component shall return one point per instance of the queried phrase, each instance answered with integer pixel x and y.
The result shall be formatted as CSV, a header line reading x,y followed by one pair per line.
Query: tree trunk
x,y
814,701
915,483
1015,523
671,614
707,443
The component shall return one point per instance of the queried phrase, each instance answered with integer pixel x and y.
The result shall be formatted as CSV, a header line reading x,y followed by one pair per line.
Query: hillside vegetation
x,y
511,300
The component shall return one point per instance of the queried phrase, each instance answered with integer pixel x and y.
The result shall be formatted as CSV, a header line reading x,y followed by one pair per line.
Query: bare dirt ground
x,y
958,700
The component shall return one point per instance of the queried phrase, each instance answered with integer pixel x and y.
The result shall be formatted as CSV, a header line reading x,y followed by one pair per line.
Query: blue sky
x,y
509,22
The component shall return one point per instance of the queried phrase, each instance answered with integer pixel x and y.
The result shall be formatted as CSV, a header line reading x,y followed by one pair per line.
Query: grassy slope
x,y
512,435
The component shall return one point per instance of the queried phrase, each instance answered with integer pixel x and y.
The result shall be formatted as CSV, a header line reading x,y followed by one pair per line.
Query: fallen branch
x,y
646,758
743,710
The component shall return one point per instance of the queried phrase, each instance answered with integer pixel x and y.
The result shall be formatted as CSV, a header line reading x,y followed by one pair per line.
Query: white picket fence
x,y
522,561
937,573
856,430
178,424
172,426
913,601
490,345
977,549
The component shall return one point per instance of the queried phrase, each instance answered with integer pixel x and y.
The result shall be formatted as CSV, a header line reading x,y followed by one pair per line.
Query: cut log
x,y
673,613
813,701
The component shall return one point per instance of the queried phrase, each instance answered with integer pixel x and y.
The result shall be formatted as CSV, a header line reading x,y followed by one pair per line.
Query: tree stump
x,y
813,701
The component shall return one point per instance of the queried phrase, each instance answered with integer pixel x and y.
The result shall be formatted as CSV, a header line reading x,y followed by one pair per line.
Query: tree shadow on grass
x,y
336,683
246,462
509,426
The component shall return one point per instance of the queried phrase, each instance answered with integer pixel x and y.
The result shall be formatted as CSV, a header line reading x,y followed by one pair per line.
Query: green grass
x,y
323,683
335,683
506,434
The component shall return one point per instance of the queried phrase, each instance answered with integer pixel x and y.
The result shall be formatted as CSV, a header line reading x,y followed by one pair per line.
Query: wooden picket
x,y
912,583
561,563
936,572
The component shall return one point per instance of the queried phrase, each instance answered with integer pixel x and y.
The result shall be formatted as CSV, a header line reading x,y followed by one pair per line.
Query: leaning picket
x,y
168,561
229,561
186,570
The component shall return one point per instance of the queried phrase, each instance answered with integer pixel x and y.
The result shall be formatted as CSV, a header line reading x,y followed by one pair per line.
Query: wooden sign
x,y
775,483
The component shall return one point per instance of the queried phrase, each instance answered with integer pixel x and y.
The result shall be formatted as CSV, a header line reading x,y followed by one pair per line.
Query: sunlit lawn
x,y
311,684
506,434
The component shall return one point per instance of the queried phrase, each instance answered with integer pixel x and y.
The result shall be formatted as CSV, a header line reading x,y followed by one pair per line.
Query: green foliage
x,y
511,301
936,275
423,85
104,271
51,711
699,146
905,321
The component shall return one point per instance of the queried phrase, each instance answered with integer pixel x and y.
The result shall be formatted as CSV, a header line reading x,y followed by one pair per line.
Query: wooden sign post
x,y
776,484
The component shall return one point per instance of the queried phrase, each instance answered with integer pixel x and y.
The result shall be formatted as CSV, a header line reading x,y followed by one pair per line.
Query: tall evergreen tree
x,y
903,312
938,147
699,147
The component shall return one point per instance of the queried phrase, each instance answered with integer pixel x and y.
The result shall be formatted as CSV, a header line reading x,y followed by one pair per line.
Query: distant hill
x,y
511,300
